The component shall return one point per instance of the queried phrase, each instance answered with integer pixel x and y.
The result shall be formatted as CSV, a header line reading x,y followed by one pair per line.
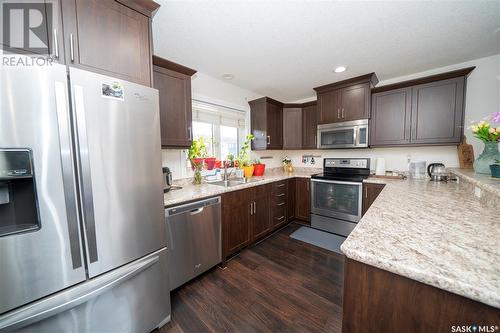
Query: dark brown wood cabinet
x,y
438,112
173,82
370,193
292,128
291,199
260,221
236,220
420,112
98,33
345,100
303,199
279,204
391,118
376,300
266,121
309,126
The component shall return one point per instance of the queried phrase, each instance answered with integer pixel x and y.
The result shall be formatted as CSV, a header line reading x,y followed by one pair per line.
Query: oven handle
x,y
336,182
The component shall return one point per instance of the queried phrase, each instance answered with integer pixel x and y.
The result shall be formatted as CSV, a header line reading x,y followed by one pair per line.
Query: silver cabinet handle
x,y
280,185
251,208
280,204
343,113
190,131
366,192
254,207
56,45
280,218
280,195
71,48
268,139
307,186
338,113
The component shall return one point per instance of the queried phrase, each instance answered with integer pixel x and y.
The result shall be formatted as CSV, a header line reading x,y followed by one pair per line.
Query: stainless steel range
x,y
336,196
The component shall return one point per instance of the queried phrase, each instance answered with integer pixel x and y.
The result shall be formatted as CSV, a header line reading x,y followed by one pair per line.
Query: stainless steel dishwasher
x,y
193,239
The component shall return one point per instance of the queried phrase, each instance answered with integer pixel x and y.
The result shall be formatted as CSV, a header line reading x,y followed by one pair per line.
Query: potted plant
x,y
259,168
196,154
287,164
495,169
490,135
230,160
244,157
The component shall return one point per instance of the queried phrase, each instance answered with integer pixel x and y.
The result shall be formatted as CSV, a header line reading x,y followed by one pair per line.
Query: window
x,y
223,129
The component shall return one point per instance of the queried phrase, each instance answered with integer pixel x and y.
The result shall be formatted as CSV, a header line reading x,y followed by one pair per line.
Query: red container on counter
x,y
259,169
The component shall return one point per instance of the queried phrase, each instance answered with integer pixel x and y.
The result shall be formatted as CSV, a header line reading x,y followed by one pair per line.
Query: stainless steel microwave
x,y
348,134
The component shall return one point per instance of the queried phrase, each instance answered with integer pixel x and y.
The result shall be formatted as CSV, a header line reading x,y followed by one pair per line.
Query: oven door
x,y
336,199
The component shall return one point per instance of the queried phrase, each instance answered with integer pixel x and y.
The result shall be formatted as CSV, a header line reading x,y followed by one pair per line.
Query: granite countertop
x,y
486,182
191,192
434,233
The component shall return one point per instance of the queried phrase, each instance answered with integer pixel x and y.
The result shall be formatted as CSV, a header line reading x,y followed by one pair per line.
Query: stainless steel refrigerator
x,y
82,234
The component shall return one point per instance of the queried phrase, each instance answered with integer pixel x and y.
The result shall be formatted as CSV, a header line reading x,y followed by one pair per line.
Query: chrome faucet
x,y
226,176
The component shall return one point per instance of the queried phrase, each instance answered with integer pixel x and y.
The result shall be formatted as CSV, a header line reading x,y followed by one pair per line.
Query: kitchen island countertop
x,y
435,233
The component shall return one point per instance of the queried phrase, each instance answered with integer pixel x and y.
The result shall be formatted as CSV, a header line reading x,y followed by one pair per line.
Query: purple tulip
x,y
496,117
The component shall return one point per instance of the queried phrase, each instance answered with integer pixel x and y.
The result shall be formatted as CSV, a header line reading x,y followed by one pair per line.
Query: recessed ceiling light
x,y
227,76
340,69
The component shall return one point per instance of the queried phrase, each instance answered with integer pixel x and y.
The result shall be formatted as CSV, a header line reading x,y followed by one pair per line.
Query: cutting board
x,y
465,154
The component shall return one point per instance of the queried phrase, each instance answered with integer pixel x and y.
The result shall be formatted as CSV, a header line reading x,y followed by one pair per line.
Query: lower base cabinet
x,y
303,199
370,193
376,300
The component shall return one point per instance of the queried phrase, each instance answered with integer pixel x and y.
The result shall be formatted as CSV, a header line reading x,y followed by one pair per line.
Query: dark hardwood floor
x,y
278,285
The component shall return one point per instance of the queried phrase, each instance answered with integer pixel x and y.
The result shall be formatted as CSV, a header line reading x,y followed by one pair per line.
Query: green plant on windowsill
x,y
196,154
244,161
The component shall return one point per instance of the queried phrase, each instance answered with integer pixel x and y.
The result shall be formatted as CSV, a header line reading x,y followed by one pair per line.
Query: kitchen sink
x,y
234,182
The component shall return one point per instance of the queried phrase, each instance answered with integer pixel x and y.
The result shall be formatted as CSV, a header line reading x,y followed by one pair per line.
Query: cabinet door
x,y
45,39
292,128
303,199
390,122
291,199
261,214
175,107
355,102
437,112
309,127
235,221
107,37
274,126
258,120
329,107
370,193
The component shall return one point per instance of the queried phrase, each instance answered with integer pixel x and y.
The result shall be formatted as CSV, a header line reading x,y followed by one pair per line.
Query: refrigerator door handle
x,y
73,297
69,182
83,167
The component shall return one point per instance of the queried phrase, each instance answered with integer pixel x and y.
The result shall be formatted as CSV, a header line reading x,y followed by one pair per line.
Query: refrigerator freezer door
x,y
34,116
119,162
133,298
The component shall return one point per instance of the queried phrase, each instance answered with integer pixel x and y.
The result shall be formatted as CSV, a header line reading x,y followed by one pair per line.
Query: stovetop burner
x,y
345,169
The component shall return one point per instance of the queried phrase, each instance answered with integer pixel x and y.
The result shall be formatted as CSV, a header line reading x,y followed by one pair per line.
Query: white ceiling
x,y
283,49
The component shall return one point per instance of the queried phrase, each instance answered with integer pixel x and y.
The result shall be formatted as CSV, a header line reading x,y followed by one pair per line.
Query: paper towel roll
x,y
380,166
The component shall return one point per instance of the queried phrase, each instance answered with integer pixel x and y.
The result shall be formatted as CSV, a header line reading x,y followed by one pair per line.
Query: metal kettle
x,y
437,172
167,179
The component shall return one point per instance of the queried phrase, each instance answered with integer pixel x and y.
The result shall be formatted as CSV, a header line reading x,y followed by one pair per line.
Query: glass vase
x,y
489,155
197,178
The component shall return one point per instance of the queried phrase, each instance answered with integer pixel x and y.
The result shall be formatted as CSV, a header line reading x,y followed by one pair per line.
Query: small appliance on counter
x,y
167,179
417,170
437,172
380,166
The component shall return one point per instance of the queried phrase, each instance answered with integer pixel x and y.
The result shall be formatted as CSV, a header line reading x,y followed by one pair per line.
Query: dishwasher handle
x,y
192,208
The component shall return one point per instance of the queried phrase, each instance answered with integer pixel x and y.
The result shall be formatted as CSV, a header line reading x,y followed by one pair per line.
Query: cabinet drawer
x,y
279,187
278,210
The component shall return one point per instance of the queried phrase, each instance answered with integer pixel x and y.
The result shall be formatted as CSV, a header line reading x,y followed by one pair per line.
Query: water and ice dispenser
x,y
18,201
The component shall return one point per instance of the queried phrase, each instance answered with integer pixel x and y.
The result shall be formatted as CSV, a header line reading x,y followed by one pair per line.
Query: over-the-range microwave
x,y
348,134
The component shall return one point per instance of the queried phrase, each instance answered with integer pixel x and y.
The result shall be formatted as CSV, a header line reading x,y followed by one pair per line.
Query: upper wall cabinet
x,y
292,127
309,126
173,82
109,37
266,121
426,111
345,100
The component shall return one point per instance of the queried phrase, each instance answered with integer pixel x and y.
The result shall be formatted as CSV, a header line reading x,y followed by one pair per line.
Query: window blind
x,y
218,115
